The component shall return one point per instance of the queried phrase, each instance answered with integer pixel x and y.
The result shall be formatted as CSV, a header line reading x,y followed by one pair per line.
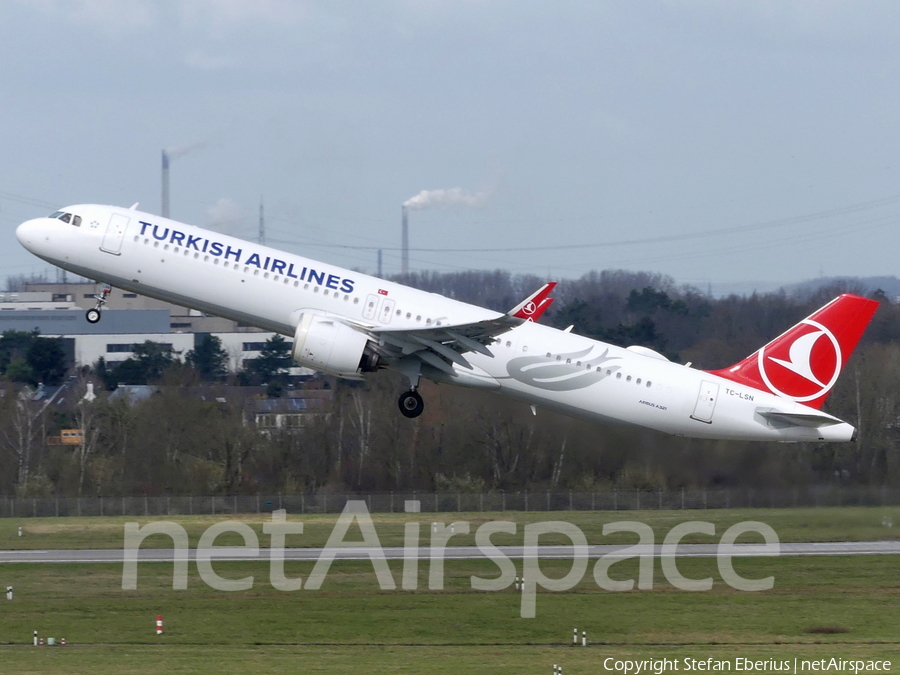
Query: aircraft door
x,y
387,310
115,232
706,402
371,306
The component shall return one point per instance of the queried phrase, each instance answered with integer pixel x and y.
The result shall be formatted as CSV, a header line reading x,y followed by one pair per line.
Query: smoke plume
x,y
182,150
446,199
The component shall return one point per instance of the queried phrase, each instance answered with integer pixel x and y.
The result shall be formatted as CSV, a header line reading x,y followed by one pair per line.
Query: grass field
x,y
820,607
792,525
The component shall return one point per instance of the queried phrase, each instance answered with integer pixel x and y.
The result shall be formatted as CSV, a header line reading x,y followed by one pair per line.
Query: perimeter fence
x,y
444,502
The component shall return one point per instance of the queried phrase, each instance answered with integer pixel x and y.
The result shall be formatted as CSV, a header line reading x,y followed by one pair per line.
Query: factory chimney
x,y
404,242
262,224
165,184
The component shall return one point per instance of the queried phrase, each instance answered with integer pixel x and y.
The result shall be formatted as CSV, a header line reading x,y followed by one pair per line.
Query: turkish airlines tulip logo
x,y
802,365
529,308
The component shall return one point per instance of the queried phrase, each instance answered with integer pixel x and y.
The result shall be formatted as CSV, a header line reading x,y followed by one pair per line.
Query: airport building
x,y
181,319
128,319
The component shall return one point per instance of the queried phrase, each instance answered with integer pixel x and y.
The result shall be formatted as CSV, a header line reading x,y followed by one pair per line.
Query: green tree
x,y
147,364
47,360
271,366
14,344
209,358
19,370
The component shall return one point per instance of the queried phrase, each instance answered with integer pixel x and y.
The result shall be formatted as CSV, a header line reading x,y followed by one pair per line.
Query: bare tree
x,y
88,414
20,432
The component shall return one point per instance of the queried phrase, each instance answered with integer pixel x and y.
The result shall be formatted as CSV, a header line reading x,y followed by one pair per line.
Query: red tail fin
x,y
803,363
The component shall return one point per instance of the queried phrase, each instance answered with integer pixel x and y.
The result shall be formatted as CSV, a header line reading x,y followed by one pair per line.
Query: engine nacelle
x,y
331,346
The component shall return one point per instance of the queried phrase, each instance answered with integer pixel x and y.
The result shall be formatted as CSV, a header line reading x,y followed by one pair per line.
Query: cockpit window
x,y
67,218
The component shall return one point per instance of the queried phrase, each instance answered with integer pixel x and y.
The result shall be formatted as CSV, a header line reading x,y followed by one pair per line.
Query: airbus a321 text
x,y
348,324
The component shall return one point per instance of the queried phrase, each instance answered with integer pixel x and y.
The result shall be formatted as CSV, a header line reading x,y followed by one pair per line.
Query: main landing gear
x,y
411,403
93,314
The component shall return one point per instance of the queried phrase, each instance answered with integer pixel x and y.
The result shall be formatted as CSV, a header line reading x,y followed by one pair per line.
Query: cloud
x,y
224,15
200,60
225,216
111,16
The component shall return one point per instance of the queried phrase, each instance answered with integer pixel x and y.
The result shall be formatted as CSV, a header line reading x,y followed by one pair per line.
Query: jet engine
x,y
328,345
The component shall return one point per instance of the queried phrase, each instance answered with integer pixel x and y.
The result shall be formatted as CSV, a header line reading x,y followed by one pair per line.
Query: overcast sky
x,y
712,141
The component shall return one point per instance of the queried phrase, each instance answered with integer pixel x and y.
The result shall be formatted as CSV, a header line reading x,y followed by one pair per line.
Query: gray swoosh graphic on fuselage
x,y
537,371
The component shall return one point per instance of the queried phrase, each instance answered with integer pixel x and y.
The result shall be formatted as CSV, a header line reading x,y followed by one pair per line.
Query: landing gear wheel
x,y
411,404
92,315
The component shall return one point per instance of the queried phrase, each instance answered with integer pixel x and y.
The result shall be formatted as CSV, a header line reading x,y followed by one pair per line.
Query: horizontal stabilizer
x,y
799,419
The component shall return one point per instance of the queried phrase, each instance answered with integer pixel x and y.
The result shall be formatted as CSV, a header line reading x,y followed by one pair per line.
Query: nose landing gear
x,y
411,403
93,314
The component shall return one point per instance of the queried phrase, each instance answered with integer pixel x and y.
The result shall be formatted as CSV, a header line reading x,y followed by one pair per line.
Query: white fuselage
x,y
270,289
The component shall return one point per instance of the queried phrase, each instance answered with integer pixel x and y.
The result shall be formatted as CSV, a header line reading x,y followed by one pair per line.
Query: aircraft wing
x,y
442,346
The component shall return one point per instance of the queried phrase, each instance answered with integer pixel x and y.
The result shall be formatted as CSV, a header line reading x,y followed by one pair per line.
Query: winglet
x,y
532,307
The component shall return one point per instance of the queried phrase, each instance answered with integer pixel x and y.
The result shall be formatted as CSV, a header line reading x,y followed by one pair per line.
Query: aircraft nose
x,y
25,232
29,232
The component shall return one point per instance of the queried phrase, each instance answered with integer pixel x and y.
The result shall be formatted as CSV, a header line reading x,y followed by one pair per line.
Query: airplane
x,y
348,324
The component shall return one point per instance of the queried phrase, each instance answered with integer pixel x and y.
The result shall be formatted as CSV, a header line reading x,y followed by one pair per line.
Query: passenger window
x,y
618,376
628,379
648,384
638,381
